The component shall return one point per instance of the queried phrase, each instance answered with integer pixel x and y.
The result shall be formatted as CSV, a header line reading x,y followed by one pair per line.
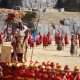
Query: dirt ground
x,y
51,54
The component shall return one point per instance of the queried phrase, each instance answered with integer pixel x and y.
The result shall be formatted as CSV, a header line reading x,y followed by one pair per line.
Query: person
x,y
59,44
18,47
56,38
66,40
31,43
45,41
72,49
49,38
37,41
79,39
75,74
40,38
67,72
74,44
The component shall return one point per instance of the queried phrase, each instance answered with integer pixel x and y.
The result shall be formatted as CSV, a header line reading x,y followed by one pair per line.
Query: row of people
x,y
47,38
37,71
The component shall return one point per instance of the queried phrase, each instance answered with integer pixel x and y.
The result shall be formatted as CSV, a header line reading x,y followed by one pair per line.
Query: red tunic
x,y
45,41
48,35
73,75
38,75
31,75
57,77
44,76
37,41
57,35
67,75
77,77
40,39
66,40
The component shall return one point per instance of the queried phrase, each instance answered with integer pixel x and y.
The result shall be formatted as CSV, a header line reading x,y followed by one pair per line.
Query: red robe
x,y
77,77
67,75
74,76
31,75
44,75
38,75
40,39
57,35
66,40
37,41
48,35
45,41
57,76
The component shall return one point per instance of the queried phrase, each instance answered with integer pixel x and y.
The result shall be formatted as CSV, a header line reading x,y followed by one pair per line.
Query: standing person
x,y
66,40
31,43
18,47
49,38
59,44
37,42
45,41
62,40
40,38
79,39
56,37
75,74
72,49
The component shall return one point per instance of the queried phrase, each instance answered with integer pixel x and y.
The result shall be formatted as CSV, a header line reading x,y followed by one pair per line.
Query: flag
x,y
35,34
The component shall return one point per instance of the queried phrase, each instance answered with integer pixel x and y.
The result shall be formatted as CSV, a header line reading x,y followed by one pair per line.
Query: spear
x,y
32,53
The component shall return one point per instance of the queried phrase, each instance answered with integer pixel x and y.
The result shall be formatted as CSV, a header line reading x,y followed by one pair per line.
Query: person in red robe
x,y
56,38
76,74
37,42
57,35
66,40
40,37
49,38
67,72
31,43
45,41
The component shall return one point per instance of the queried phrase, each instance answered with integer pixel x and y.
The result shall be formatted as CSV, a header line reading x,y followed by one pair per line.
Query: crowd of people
x,y
38,71
21,41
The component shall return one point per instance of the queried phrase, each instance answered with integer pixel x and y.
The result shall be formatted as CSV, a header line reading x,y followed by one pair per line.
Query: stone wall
x,y
68,4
